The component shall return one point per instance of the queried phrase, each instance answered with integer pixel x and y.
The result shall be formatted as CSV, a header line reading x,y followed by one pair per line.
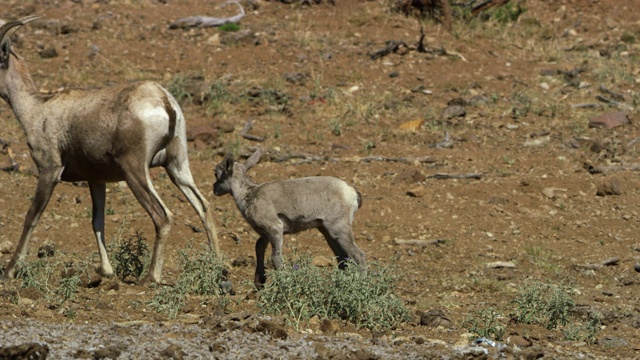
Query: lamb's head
x,y
229,169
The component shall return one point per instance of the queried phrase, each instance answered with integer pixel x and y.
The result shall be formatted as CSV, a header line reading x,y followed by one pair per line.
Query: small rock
x,y
410,176
111,352
328,327
519,341
174,352
609,120
501,265
611,187
226,287
611,261
271,328
48,53
412,126
454,111
321,261
31,351
417,191
6,247
544,86
242,261
435,318
47,250
636,267
296,78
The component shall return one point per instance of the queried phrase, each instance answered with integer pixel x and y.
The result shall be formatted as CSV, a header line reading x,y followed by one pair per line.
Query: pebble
x,y
6,247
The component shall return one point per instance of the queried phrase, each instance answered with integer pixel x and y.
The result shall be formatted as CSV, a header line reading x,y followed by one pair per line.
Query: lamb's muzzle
x,y
289,206
101,136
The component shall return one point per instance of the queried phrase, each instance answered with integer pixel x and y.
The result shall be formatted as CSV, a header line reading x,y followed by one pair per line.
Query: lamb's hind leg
x,y
177,166
98,198
340,238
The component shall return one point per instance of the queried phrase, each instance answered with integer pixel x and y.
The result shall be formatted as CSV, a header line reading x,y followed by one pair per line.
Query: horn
x,y
12,24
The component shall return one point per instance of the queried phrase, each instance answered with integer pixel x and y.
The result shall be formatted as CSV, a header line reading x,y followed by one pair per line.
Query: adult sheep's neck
x,y
21,93
241,186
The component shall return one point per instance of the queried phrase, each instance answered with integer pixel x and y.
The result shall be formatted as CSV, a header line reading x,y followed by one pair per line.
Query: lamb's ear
x,y
253,159
228,163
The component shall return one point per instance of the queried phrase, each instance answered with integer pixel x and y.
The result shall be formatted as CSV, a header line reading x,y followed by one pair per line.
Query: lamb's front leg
x,y
261,248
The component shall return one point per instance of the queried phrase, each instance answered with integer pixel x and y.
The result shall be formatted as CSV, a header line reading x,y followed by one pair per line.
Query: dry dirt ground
x,y
554,200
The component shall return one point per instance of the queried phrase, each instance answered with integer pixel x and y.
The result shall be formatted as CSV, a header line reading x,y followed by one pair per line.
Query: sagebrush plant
x,y
584,332
301,290
36,274
485,323
178,88
130,257
201,274
543,304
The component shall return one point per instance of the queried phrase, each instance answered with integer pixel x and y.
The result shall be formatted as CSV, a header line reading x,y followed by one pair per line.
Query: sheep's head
x,y
227,167
5,38
223,172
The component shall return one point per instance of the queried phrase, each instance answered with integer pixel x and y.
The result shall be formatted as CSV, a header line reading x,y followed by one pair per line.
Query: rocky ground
x,y
497,154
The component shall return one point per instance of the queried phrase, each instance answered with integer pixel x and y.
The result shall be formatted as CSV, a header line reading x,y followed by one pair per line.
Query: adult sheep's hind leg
x,y
139,181
98,199
177,166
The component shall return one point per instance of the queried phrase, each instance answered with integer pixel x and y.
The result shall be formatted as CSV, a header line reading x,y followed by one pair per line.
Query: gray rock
x,y
454,111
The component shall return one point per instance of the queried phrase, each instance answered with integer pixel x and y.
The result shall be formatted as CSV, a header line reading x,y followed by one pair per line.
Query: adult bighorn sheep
x,y
101,136
290,206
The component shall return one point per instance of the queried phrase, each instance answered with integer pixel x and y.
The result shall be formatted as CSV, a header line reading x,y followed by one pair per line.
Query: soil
x,y
527,190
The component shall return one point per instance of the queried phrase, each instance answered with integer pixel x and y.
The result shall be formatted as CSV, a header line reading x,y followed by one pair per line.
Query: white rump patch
x,y
351,197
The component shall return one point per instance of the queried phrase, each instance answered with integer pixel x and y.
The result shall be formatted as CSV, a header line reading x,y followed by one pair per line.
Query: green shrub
x,y
542,304
201,275
300,291
36,274
584,332
130,256
229,27
484,323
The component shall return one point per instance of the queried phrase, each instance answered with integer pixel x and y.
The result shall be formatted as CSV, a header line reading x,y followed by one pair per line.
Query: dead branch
x,y
485,5
409,160
245,132
586,106
614,95
14,164
442,176
418,242
207,21
392,46
603,169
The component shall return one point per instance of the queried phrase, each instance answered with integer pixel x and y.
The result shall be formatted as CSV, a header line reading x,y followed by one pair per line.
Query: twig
x,y
245,132
207,21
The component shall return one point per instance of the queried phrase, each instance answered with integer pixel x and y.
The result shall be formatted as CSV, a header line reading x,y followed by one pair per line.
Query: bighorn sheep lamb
x,y
101,136
290,206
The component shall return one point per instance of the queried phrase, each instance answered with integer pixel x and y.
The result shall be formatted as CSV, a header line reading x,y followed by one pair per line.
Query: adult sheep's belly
x,y
87,171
